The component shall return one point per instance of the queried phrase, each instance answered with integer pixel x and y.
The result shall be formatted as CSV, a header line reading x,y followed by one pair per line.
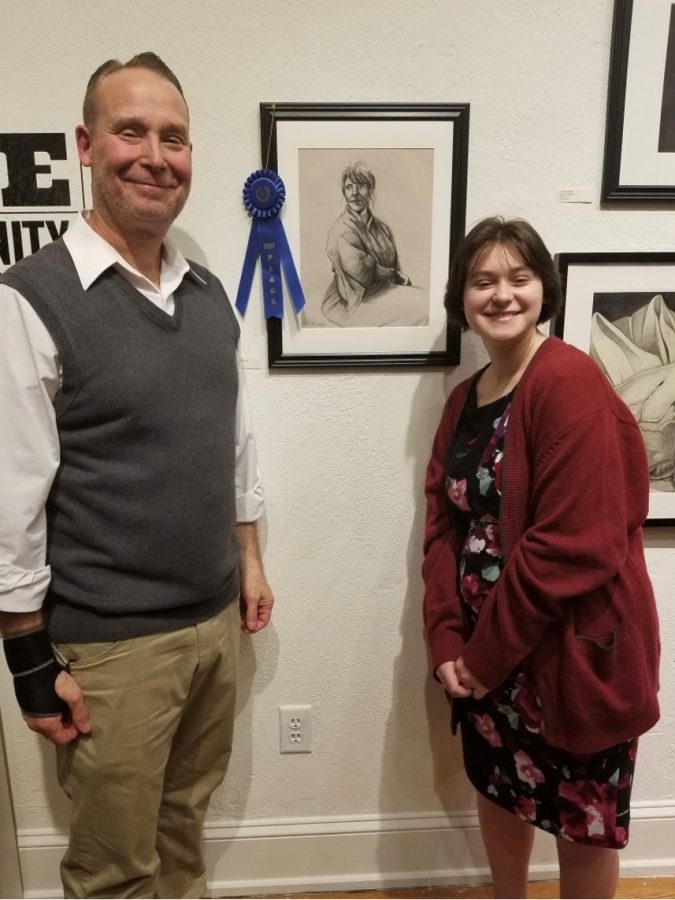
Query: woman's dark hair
x,y
517,235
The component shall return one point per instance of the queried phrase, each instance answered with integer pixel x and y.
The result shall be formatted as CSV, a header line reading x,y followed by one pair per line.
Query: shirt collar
x,y
92,255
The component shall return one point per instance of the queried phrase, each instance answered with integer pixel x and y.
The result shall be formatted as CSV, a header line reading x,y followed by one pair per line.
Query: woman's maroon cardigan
x,y
574,602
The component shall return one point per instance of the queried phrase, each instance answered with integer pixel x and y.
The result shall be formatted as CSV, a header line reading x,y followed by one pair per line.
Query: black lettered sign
x,y
41,191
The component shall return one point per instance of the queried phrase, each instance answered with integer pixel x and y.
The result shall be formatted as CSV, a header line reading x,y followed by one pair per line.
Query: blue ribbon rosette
x,y
264,195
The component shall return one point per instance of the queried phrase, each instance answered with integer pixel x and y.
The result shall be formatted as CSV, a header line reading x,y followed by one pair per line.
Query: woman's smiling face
x,y
503,296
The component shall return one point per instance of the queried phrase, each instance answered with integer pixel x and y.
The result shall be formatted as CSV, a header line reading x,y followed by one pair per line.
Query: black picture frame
x,y
316,138
623,291
639,159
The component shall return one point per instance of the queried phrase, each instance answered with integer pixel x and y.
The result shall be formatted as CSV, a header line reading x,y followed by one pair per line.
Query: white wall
x,y
10,870
382,797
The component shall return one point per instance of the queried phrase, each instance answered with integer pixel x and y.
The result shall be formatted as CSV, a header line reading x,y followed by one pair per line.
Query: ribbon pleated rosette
x,y
264,195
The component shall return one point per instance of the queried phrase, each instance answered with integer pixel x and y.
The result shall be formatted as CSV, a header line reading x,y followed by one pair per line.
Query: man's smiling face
x,y
138,147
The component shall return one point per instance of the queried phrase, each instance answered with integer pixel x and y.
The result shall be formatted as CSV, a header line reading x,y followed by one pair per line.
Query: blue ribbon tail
x,y
270,268
248,270
268,241
292,279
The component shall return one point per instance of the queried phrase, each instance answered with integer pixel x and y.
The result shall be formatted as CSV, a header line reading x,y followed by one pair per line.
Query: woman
x,y
365,264
538,608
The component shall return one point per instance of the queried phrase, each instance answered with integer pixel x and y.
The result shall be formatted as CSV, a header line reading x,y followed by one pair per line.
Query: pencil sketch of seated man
x,y
369,288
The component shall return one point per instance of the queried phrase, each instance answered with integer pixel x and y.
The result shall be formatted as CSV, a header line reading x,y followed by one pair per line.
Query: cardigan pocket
x,y
596,621
603,641
596,660
584,684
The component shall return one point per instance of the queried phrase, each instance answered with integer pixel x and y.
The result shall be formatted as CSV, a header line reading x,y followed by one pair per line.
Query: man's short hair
x,y
146,60
359,173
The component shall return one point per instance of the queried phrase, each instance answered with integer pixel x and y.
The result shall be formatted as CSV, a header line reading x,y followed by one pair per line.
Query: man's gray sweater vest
x,y
141,514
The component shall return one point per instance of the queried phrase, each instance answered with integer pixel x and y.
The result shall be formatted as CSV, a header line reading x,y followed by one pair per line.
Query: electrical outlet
x,y
295,729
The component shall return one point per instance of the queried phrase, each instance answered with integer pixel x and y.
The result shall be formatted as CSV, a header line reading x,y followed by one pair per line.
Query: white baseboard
x,y
359,852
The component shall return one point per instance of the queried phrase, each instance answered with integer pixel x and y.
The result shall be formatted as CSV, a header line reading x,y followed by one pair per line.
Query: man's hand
x,y
256,598
63,729
256,602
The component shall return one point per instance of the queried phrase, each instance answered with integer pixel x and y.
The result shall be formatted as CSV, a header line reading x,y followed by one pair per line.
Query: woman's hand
x,y
449,677
467,680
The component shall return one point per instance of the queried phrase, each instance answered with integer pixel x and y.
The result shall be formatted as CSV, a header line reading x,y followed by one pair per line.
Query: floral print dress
x,y
578,798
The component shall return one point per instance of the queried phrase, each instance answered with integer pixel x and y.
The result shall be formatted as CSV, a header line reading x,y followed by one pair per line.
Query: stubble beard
x,y
112,198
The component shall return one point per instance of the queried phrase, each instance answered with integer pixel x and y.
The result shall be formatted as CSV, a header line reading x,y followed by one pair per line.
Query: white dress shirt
x,y
30,378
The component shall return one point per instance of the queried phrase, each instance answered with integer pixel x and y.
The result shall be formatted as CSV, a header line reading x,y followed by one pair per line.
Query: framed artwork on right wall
x,y
640,133
620,309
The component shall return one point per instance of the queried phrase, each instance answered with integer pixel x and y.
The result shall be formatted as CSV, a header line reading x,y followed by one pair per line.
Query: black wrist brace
x,y
31,661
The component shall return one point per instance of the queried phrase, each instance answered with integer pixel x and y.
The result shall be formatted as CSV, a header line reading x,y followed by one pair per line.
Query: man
x,y
129,498
368,287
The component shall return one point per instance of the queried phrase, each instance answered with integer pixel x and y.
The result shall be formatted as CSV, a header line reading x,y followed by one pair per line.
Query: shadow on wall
x,y
230,800
420,757
58,803
188,247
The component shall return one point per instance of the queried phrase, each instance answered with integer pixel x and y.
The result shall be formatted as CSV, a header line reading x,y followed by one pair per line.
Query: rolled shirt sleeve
x,y
29,451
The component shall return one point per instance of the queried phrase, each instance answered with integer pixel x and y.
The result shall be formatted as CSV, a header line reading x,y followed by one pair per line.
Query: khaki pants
x,y
162,712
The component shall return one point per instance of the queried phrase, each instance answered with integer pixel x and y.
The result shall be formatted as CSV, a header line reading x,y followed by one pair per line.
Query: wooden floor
x,y
636,888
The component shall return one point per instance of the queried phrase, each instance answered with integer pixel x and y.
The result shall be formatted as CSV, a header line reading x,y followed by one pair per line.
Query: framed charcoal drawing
x,y
640,131
620,308
375,206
